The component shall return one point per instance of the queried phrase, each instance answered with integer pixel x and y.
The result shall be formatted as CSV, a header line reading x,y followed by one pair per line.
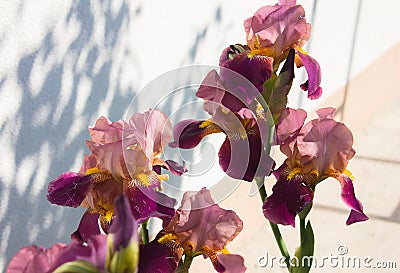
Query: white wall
x,y
64,63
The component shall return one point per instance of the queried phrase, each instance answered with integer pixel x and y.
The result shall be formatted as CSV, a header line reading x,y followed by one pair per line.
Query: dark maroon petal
x,y
256,69
124,227
314,76
244,158
158,258
289,197
69,189
349,198
188,133
88,226
146,203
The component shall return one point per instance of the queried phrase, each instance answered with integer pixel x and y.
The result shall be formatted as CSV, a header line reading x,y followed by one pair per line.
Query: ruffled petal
x,y
35,259
200,223
289,125
69,189
314,76
325,145
349,198
275,28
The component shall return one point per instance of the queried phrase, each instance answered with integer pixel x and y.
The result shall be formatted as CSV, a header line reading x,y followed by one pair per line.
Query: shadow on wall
x,y
64,91
52,122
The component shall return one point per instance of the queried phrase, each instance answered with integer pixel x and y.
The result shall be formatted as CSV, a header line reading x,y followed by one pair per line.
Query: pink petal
x,y
314,76
325,144
288,2
350,199
289,124
202,223
277,28
105,131
232,263
35,259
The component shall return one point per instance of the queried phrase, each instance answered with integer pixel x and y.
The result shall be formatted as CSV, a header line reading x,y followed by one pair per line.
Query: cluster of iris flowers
x,y
120,181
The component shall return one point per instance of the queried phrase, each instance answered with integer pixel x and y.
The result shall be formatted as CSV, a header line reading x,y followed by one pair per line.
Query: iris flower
x,y
270,34
124,159
116,252
201,227
315,151
234,112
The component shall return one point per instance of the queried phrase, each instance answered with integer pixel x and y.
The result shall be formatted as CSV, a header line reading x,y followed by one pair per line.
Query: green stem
x,y
302,228
145,232
274,227
184,267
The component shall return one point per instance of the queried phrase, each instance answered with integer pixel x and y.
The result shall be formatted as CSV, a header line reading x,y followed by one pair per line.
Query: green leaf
x,y
78,266
277,98
303,259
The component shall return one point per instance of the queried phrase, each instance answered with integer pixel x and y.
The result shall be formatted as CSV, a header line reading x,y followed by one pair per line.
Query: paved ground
x,y
372,111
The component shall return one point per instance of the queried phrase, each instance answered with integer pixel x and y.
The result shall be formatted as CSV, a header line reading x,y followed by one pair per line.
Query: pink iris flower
x,y
315,151
124,159
270,33
201,227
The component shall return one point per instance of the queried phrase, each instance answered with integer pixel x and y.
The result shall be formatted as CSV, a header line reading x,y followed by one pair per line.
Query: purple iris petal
x,y
88,226
188,133
244,158
289,198
124,227
256,69
349,198
159,258
94,252
314,76
146,203
69,189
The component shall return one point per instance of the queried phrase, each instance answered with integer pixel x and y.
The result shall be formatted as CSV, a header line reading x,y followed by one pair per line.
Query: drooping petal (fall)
x,y
289,197
349,198
146,202
69,189
314,76
88,227
160,258
188,133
